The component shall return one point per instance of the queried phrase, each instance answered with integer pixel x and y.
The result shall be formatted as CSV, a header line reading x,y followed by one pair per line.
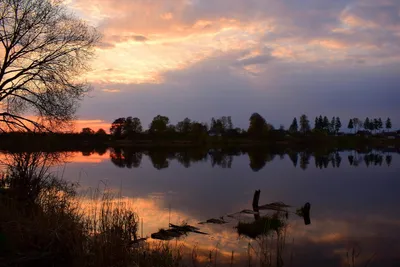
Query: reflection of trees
x,y
126,158
259,158
132,158
190,156
370,159
294,157
159,159
355,160
116,157
338,160
101,150
373,159
220,158
304,159
388,160
322,161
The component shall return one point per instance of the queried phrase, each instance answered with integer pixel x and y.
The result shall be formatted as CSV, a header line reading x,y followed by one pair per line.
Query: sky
x,y
212,58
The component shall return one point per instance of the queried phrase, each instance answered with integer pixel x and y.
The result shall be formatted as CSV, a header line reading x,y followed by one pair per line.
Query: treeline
x,y
223,158
375,124
223,126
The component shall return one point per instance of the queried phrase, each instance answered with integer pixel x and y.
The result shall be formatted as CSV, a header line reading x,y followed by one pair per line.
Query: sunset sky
x,y
205,58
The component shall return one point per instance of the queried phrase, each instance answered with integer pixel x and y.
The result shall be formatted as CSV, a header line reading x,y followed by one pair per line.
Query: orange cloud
x,y
145,39
329,43
111,90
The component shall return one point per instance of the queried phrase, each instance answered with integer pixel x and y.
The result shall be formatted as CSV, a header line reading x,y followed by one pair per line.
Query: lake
x,y
354,201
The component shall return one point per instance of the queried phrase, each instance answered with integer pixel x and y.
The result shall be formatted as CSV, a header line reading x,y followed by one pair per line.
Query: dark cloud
x,y
360,80
260,59
217,87
140,38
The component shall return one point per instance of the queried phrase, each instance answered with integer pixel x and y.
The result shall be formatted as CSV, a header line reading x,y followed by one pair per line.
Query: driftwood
x,y
279,207
306,213
186,229
176,231
215,221
256,199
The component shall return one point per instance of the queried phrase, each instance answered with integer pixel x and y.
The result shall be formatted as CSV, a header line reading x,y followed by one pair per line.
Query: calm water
x,y
354,200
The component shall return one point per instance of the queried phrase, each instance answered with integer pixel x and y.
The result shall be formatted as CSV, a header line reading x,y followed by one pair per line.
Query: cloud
x,y
237,56
139,38
255,60
165,35
111,90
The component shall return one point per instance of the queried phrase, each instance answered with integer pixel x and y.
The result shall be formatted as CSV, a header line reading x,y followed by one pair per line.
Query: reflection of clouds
x,y
350,205
325,239
78,157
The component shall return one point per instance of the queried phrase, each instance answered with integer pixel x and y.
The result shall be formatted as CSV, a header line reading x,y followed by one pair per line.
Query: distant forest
x,y
219,132
258,127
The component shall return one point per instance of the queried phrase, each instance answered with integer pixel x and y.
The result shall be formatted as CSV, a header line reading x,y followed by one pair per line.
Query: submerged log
x,y
256,199
306,213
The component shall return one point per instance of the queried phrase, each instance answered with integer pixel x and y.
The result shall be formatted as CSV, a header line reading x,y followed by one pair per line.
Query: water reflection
x,y
348,212
258,158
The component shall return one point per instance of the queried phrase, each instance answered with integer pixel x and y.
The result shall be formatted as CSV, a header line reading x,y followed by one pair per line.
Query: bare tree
x,y
43,50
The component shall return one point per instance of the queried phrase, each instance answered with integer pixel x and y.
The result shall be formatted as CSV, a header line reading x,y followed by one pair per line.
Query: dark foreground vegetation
x,y
43,224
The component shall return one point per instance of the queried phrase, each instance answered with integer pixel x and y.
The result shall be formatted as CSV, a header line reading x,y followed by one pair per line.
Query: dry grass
x,y
43,224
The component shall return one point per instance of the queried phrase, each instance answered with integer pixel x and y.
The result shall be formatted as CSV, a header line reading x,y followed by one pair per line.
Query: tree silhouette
x,y
184,126
316,124
325,124
367,124
338,125
159,124
350,126
304,124
101,132
332,125
87,131
117,127
258,126
294,127
375,124
357,124
320,122
388,124
44,48
131,126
